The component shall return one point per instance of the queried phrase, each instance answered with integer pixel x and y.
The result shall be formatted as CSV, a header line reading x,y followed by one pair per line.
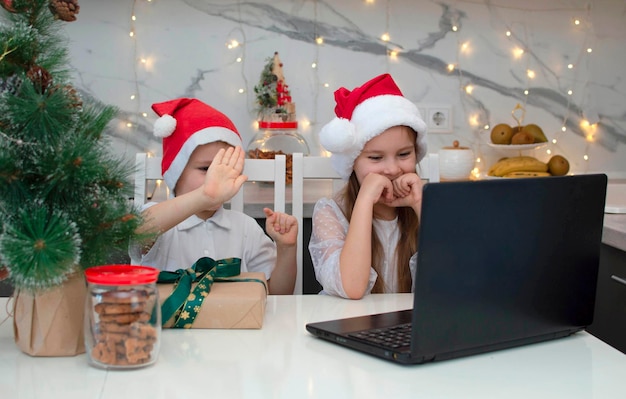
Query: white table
x,y
282,360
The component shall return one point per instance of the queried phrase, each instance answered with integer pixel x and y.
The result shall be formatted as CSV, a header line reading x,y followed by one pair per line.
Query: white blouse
x,y
328,237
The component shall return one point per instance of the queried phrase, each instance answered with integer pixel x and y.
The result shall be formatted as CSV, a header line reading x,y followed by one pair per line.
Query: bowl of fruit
x,y
521,137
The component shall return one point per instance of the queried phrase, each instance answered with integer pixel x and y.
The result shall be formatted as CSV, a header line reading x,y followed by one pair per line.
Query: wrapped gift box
x,y
229,304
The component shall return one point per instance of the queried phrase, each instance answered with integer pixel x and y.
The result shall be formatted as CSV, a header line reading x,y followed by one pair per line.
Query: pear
x,y
522,137
558,165
536,132
501,134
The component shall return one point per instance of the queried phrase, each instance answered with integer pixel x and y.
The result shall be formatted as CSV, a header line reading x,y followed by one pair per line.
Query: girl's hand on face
x,y
407,190
376,188
281,227
223,178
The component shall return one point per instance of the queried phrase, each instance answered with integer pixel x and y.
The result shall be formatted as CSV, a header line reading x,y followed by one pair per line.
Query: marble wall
x,y
561,60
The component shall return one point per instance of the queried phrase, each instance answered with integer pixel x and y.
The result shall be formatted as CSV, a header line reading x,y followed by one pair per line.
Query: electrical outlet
x,y
438,117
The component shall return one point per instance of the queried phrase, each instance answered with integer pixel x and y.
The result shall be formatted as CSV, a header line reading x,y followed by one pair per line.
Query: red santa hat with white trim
x,y
363,114
184,124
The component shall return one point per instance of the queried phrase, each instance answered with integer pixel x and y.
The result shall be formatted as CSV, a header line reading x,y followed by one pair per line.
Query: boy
x,y
202,165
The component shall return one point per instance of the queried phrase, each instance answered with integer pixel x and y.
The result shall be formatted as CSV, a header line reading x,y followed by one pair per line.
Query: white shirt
x,y
227,234
330,228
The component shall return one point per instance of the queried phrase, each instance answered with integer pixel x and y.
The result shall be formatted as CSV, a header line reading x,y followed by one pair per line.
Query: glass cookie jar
x,y
278,136
122,316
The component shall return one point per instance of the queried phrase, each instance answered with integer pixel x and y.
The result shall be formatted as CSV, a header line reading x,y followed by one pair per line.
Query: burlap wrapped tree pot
x,y
50,323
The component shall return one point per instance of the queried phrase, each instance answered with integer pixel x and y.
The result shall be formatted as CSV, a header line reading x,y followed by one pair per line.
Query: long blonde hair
x,y
408,224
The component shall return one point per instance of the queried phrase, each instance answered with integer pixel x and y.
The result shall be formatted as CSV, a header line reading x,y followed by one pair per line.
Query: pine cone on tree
x,y
64,10
40,78
7,5
71,93
4,273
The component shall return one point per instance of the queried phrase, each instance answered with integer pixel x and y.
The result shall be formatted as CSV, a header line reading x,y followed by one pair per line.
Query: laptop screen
x,y
506,260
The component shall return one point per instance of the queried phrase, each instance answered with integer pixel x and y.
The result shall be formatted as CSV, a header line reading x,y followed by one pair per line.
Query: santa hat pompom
x,y
338,135
164,126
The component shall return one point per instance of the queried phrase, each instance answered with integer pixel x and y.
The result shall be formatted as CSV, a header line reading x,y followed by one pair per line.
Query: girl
x,y
364,240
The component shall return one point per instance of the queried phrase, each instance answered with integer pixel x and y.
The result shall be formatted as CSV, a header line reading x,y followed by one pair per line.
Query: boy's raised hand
x,y
281,227
223,178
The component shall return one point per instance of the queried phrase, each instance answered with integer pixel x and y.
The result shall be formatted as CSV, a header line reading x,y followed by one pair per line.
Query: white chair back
x,y
258,170
306,168
267,171
147,169
428,168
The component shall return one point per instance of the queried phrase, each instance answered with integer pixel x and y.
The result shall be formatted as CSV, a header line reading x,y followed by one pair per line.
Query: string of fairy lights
x,y
520,53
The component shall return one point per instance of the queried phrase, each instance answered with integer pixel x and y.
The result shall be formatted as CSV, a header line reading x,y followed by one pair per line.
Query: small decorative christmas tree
x,y
64,199
274,97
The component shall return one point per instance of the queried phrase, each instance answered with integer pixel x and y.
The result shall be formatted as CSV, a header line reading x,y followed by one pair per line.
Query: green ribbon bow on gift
x,y
184,304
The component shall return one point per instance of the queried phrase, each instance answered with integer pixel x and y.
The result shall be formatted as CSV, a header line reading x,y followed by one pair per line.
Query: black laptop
x,y
501,263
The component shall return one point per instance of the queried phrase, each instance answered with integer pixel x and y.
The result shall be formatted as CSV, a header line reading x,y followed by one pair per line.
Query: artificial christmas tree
x,y
63,196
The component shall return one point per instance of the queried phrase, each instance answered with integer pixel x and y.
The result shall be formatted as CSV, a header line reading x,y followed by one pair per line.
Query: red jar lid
x,y
121,275
278,125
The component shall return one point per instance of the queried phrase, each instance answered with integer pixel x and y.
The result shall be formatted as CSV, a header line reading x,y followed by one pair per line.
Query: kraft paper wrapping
x,y
229,305
51,323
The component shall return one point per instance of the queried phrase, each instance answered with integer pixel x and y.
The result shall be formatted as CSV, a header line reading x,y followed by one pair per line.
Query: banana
x,y
527,174
517,164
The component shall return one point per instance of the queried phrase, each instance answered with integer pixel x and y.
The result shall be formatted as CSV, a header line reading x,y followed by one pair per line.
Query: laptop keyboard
x,y
390,337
